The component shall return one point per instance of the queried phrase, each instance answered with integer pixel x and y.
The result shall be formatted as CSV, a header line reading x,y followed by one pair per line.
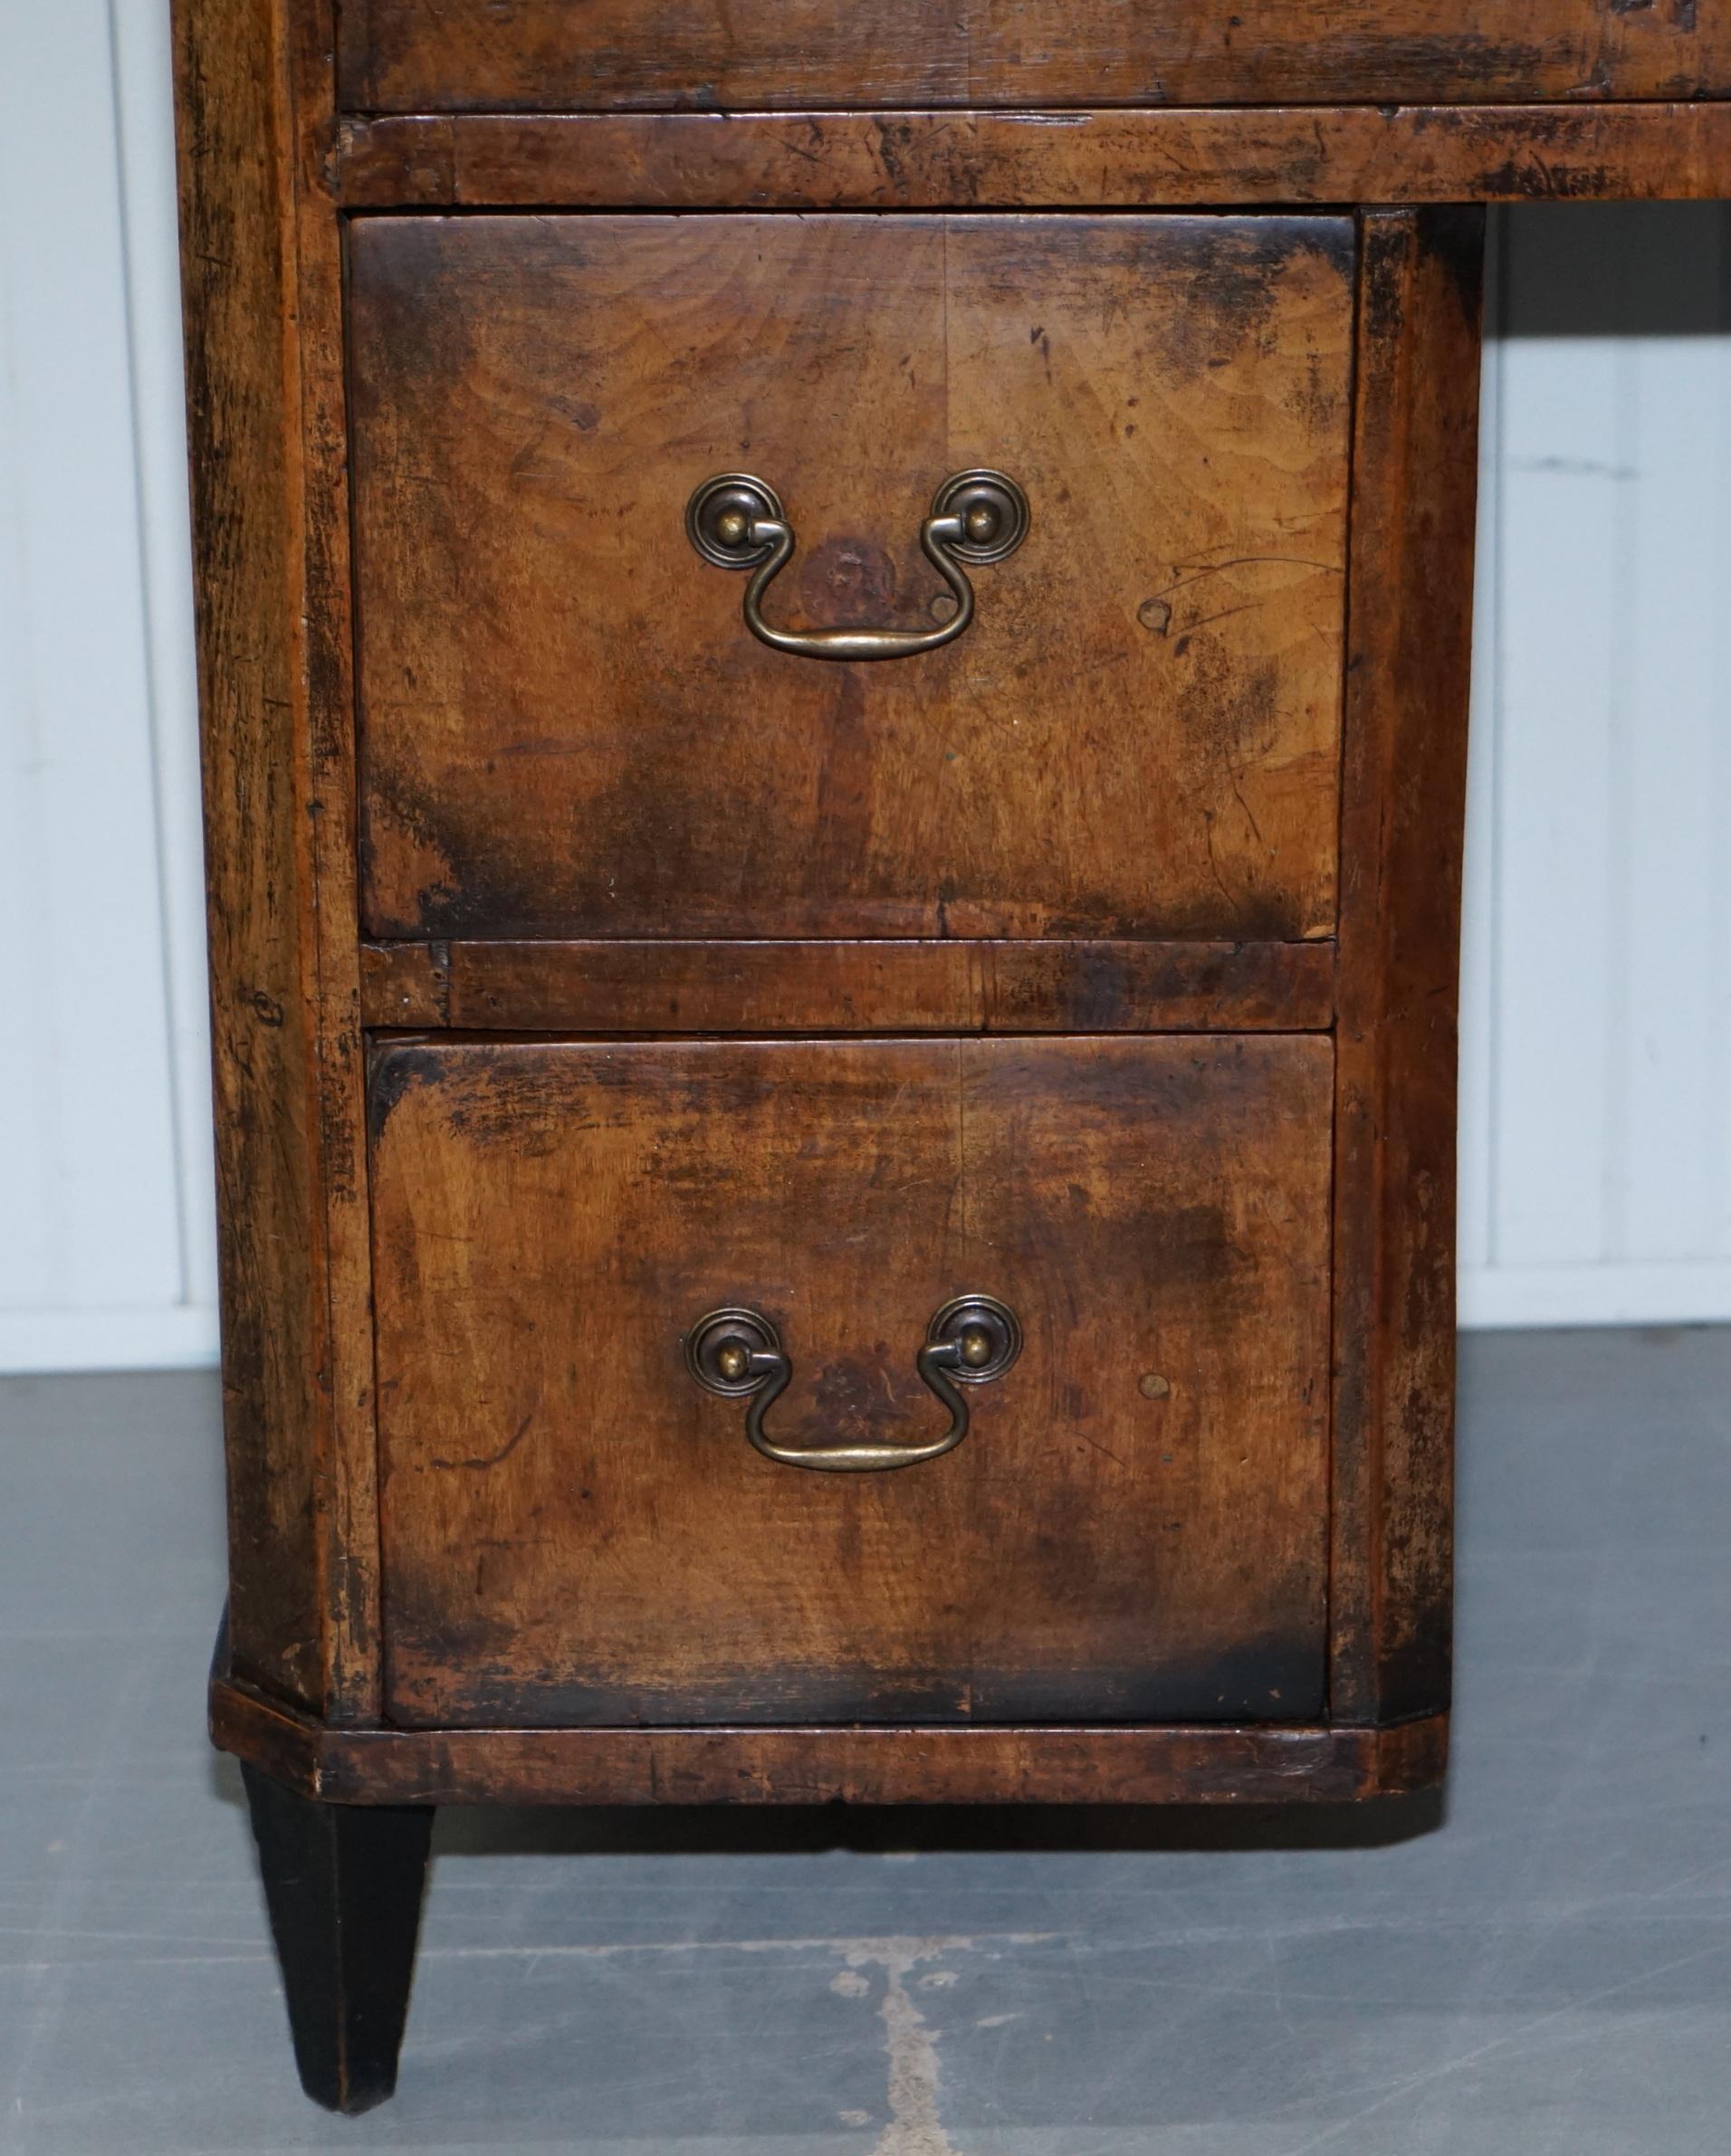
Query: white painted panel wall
x,y
1597,1059
105,1239
1596,1097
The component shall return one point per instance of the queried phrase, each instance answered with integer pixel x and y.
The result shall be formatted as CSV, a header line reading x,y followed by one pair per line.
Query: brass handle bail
x,y
738,523
737,1352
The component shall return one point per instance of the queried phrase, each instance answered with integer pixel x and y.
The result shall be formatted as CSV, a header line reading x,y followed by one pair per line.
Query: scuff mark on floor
x,y
914,2127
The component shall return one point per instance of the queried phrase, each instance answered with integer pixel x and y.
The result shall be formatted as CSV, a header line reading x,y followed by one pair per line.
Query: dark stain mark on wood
x,y
396,1071
496,1459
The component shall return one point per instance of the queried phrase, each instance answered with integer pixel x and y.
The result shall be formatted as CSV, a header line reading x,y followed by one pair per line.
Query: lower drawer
x,y
576,1531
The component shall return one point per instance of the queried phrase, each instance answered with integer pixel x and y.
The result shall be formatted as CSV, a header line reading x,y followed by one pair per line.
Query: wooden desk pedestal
x,y
834,654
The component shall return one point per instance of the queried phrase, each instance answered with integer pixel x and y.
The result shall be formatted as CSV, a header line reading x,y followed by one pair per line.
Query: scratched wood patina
x,y
1104,961
611,984
1133,1529
1092,158
566,728
529,55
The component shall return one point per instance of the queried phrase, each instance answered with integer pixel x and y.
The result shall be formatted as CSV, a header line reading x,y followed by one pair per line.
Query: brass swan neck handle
x,y
738,523
737,1352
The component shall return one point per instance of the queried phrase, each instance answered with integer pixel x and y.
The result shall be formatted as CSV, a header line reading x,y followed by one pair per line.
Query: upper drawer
x,y
565,56
566,728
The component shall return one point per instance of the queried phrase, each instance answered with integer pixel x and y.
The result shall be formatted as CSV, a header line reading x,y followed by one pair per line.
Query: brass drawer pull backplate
x,y
738,523
738,1354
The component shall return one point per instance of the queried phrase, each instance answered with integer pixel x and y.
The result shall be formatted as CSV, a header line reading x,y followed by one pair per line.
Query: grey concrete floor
x,y
1541,1964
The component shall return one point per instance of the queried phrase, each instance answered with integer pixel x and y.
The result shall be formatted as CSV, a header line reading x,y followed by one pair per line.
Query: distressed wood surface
x,y
521,55
958,1764
404,984
566,730
1149,159
260,250
1134,1528
1415,468
1119,803
607,986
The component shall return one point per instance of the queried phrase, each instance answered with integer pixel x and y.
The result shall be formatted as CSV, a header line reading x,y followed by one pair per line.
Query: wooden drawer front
x,y
1134,1527
566,728
482,55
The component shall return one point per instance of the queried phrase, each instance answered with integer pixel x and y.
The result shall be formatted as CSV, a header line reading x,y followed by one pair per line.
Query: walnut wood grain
x,y
566,730
260,250
524,55
1133,1529
1149,159
405,984
961,1764
851,988
1415,465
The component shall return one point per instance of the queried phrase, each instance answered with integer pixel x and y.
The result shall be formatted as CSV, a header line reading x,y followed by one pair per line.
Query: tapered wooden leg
x,y
343,1883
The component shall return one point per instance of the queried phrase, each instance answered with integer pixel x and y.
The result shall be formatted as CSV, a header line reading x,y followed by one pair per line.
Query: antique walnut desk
x,y
835,647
